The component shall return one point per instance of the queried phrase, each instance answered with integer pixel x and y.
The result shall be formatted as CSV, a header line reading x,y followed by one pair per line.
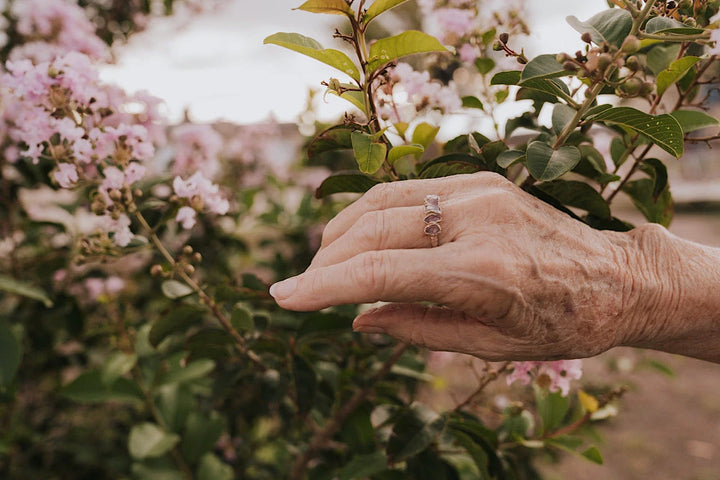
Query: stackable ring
x,y
433,217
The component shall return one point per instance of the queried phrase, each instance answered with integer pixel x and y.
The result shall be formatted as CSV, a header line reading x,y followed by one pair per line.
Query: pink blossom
x,y
196,149
557,374
60,25
186,217
114,179
83,150
66,175
97,287
197,186
120,229
134,172
68,129
468,53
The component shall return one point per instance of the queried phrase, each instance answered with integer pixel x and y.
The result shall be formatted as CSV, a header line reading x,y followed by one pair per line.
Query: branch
x,y
323,436
484,382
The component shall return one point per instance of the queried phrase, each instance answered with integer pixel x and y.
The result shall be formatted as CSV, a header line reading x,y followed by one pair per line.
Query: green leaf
x,y
552,408
617,150
400,151
334,138
173,289
117,365
561,116
364,466
478,454
358,433
345,181
212,468
542,66
89,388
407,43
16,287
369,154
552,86
592,164
611,26
451,164
355,97
335,7
142,471
312,48
201,434
670,26
656,170
192,371
378,7
10,354
546,164
655,209
178,320
593,454
148,440
577,194
241,318
691,120
305,384
674,72
413,432
660,57
424,134
484,65
663,130
472,102
510,157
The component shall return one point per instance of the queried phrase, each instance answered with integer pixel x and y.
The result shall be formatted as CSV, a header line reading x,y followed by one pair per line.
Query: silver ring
x,y
432,219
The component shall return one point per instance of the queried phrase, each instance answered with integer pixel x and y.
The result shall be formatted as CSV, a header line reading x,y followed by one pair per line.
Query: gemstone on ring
x,y
432,218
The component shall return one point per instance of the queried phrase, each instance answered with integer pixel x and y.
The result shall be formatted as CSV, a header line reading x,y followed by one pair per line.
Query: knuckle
x,y
370,276
380,195
327,233
371,229
492,179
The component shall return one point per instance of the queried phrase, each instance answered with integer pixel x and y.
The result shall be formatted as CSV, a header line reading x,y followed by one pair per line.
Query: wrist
x,y
673,294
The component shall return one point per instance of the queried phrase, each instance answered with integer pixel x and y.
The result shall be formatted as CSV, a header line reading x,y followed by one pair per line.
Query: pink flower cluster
x,y
556,375
196,148
200,194
55,27
409,92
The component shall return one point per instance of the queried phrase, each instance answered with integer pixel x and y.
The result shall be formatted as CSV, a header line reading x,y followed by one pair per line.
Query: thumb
x,y
435,328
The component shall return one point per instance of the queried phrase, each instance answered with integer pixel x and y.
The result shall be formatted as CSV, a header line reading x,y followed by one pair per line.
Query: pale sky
x,y
217,66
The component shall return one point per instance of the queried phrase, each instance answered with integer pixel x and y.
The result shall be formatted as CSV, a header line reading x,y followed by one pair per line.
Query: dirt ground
x,y
667,428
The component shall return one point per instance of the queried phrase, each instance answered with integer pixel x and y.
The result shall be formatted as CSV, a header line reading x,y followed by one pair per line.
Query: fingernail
x,y
284,289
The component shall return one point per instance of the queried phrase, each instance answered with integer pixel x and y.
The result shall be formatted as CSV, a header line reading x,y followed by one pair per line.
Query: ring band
x,y
433,217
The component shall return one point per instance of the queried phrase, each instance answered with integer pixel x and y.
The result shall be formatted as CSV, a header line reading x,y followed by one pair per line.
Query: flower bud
x,y
603,61
570,66
138,193
646,89
115,195
189,269
633,63
497,46
522,60
631,44
197,258
504,37
562,58
586,37
187,250
156,270
690,22
631,87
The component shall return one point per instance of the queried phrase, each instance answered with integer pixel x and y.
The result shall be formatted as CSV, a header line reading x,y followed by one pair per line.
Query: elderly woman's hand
x,y
512,278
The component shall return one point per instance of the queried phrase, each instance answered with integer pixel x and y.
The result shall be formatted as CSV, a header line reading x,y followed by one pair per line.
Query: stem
x,y
484,382
323,436
631,7
642,16
590,98
204,297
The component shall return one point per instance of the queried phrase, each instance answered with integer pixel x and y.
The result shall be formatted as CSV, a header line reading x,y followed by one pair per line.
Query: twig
x,y
484,382
323,436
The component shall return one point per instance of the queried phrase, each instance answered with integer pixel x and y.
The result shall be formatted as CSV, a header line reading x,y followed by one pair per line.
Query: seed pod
x,y
646,89
586,37
497,46
570,66
604,61
631,87
504,37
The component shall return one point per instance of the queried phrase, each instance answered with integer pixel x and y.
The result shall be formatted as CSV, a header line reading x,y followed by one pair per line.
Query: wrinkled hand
x,y
513,278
